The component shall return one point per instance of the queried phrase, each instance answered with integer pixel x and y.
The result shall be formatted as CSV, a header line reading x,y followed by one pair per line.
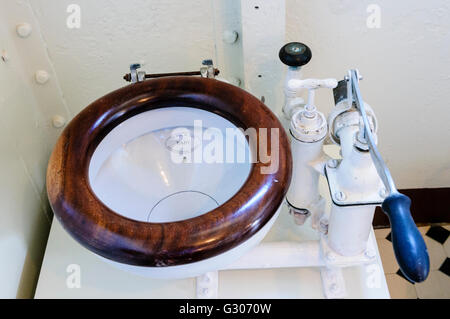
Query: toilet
x,y
162,178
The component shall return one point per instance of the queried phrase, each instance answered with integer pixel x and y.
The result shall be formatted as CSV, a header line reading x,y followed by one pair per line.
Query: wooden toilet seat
x,y
128,241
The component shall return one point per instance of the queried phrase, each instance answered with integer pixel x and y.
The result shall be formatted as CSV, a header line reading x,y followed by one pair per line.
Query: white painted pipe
x,y
295,85
292,99
349,228
304,188
292,73
280,255
356,172
346,137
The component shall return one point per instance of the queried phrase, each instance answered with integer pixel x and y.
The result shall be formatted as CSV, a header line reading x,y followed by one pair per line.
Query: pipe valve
x,y
311,85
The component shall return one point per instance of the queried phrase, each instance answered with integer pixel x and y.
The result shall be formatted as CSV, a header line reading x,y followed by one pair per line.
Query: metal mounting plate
x,y
352,197
333,259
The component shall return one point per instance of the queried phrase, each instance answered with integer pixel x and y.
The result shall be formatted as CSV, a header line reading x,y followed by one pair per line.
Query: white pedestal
x,y
101,280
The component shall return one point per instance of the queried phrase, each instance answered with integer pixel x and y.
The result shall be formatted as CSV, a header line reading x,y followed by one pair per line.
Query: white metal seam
x,y
27,173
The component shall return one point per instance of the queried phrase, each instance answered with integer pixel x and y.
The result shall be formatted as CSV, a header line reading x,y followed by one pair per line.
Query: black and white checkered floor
x,y
437,284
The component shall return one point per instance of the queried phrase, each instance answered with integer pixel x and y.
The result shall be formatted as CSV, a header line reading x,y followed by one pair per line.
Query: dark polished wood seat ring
x,y
128,241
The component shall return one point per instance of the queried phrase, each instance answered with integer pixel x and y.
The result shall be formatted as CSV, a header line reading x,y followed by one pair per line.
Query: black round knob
x,y
295,54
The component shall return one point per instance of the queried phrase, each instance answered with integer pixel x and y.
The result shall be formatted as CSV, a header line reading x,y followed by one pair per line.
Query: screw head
x,y
360,77
340,196
369,253
332,163
23,30
206,279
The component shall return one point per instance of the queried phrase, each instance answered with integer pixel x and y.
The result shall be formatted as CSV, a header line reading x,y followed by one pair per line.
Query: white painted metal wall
x,y
263,27
406,69
26,139
166,36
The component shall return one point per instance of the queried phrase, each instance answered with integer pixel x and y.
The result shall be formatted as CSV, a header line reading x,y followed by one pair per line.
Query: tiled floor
x,y
437,285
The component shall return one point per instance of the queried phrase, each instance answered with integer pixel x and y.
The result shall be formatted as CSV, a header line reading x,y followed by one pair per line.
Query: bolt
x,y
369,253
230,36
323,224
340,196
360,77
23,30
332,163
206,279
41,76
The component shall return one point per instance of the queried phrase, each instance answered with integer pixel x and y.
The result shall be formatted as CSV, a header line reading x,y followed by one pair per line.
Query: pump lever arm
x,y
409,246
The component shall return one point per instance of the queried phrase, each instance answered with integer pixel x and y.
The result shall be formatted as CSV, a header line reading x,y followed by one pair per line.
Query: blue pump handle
x,y
409,246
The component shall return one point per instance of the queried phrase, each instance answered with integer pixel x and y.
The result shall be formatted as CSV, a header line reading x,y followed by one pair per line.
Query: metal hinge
x,y
206,71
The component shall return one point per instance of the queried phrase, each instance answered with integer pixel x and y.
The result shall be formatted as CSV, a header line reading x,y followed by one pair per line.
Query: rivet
x,y
58,121
41,76
23,30
230,36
